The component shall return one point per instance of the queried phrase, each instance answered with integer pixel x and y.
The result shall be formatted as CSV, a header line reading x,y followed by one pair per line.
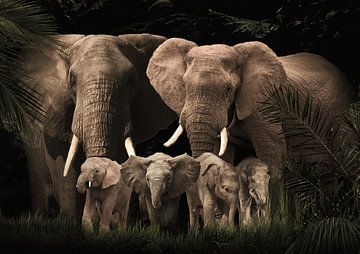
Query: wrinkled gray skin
x,y
160,180
254,176
201,83
216,188
107,192
93,87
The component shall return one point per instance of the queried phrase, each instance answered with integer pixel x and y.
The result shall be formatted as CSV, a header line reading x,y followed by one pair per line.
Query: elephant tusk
x,y
223,141
71,155
175,136
89,184
129,146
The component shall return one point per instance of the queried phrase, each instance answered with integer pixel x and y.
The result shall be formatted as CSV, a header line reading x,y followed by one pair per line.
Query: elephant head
x,y
160,174
254,180
98,173
203,83
221,178
89,87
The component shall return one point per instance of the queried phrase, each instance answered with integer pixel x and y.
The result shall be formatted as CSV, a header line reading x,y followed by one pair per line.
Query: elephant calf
x,y
160,180
216,188
105,190
254,187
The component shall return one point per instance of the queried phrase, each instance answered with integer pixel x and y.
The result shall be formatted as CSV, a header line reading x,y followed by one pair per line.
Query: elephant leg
x,y
209,204
169,212
244,206
115,221
143,209
122,206
68,197
65,191
225,217
89,210
246,214
193,211
39,179
107,206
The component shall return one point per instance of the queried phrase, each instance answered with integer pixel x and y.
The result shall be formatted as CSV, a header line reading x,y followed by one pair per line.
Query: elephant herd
x,y
104,94
211,185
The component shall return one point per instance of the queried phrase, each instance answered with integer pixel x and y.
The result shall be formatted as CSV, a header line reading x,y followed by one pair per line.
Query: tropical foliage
x,y
325,193
21,23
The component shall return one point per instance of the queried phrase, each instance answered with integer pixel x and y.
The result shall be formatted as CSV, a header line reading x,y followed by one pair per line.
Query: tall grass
x,y
38,234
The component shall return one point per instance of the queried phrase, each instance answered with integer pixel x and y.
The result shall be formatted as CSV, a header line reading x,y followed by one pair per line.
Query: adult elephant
x,y
95,93
203,83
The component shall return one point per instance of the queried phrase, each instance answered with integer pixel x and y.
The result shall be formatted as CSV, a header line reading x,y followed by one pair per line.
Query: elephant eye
x,y
96,171
226,188
228,91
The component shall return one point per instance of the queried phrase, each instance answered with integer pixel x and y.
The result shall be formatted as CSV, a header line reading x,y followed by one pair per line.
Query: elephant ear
x,y
112,175
186,171
147,108
45,71
133,172
242,173
210,167
260,70
166,70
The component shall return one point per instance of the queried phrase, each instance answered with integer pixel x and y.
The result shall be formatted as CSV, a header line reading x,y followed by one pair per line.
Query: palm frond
x,y
329,235
22,24
25,23
302,177
309,129
352,121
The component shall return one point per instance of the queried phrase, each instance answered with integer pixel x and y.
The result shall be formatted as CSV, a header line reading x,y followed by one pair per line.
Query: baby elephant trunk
x,y
232,211
260,196
156,189
84,182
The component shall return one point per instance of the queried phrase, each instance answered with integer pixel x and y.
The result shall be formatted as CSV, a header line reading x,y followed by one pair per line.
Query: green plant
x,y
325,192
21,24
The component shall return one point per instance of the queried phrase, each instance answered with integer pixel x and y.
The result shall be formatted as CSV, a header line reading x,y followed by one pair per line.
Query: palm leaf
x,y
329,235
309,129
22,24
351,122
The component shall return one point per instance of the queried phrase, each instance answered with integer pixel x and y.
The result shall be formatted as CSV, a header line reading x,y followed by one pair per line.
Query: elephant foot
x,y
104,229
87,226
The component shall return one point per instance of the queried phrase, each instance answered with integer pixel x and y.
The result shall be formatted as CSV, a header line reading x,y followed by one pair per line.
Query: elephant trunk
x,y
201,135
156,189
232,210
203,119
260,196
262,202
82,181
101,115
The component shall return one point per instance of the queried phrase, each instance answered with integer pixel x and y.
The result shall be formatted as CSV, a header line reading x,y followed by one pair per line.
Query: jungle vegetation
x,y
312,219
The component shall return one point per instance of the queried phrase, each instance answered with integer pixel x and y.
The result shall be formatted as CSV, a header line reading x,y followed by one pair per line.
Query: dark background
x,y
329,28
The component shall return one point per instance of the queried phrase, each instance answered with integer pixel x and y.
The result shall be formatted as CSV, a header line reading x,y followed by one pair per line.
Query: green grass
x,y
37,234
